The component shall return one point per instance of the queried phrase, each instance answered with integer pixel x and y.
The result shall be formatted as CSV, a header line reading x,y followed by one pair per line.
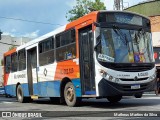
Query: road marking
x,y
158,97
6,102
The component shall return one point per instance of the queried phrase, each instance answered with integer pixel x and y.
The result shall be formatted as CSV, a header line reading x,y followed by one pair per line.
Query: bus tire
x,y
114,99
20,95
70,95
138,95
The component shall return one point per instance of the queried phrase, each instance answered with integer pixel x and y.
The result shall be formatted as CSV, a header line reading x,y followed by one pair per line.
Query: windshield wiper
x,y
118,31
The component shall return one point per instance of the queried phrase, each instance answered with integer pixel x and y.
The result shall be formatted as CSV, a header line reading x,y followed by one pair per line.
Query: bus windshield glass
x,y
125,46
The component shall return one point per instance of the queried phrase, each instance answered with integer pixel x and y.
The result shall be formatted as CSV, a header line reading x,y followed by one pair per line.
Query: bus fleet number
x,y
67,71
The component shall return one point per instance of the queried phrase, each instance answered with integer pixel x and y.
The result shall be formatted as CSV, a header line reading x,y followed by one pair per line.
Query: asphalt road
x,y
97,108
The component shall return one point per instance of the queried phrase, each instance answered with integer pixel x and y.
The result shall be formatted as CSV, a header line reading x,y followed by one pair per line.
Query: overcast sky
x,y
45,11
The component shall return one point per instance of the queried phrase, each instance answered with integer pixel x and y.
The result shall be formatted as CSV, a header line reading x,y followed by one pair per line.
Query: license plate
x,y
135,87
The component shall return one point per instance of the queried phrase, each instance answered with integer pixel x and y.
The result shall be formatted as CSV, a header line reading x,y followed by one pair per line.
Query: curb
x,y
153,95
2,95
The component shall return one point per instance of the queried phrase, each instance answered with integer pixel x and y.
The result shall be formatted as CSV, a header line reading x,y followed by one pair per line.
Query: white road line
x,y
150,97
6,102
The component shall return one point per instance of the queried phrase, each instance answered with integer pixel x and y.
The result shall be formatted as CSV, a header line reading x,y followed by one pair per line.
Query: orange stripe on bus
x,y
10,52
68,69
92,16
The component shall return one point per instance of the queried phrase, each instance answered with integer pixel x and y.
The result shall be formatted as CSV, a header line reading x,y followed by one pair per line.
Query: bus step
x,y
34,97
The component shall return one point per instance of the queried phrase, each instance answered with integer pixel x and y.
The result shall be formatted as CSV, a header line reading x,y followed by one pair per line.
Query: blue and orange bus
x,y
104,54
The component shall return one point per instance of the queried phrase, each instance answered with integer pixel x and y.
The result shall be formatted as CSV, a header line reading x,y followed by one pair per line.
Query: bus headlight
x,y
108,77
103,73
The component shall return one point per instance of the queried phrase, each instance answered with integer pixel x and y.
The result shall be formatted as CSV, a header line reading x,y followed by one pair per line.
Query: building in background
x,y
6,43
151,9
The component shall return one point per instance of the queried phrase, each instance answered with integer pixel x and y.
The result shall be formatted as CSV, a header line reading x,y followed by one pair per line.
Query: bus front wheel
x,y
70,95
114,99
138,95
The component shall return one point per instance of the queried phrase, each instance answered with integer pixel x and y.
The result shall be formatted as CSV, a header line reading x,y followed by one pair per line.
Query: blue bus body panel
x,y
44,89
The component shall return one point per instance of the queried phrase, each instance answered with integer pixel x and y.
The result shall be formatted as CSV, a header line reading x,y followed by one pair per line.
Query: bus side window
x,y
7,64
66,45
57,41
73,36
21,60
14,62
46,51
40,48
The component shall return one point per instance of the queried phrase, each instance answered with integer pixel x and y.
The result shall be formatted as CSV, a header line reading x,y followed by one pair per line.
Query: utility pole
x,y
118,5
0,34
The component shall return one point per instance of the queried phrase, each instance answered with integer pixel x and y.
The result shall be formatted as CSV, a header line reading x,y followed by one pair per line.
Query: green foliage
x,y
81,8
98,5
12,47
2,62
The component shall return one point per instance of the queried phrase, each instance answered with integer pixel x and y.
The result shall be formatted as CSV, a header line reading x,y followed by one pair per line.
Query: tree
x,y
82,7
12,47
98,5
2,62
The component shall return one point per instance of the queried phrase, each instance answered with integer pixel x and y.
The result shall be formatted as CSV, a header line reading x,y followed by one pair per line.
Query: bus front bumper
x,y
107,88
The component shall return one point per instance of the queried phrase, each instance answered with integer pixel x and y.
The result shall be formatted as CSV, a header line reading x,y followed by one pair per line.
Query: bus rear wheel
x,y
20,95
114,99
70,95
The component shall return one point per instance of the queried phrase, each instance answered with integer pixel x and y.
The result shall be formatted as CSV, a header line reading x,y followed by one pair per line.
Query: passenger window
x,y
46,51
7,64
66,45
22,60
14,61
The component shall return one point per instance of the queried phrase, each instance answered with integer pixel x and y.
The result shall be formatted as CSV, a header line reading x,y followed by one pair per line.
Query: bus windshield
x,y
125,46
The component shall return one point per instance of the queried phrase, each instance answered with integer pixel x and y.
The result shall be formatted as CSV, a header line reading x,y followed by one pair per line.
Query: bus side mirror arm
x,y
97,24
95,48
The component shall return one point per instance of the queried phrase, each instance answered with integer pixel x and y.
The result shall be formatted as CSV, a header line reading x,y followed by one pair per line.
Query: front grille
x,y
133,68
128,67
139,79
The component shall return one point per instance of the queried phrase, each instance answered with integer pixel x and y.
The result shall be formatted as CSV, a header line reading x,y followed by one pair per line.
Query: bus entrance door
x,y
86,61
32,71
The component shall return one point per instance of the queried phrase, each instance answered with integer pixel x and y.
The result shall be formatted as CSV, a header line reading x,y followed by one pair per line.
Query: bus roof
x,y
90,16
10,52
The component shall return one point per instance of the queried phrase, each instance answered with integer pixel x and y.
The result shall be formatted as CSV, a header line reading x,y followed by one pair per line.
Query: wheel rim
x,y
70,94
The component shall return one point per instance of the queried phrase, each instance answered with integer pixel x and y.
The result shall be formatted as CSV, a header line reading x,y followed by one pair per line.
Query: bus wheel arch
x,y
62,87
20,94
68,93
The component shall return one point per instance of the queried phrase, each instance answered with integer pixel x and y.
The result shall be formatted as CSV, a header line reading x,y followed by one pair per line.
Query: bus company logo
x,y
45,72
19,76
136,78
6,114
143,74
21,114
